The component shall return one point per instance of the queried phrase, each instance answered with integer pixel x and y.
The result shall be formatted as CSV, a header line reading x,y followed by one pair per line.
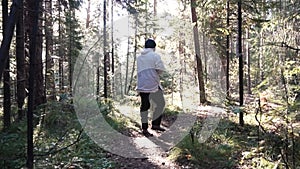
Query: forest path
x,y
155,156
156,148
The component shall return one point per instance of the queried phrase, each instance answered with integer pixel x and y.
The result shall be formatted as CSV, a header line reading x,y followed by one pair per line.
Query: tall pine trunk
x,y
105,54
40,86
21,64
227,51
155,16
135,51
6,76
32,18
197,51
241,62
60,49
247,50
71,58
88,15
8,34
112,49
127,61
181,51
49,77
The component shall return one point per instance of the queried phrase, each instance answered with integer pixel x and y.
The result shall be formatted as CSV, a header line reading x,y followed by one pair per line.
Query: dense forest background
x,y
240,56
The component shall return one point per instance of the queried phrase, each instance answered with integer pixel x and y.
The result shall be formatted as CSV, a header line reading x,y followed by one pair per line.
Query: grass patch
x,y
232,146
13,146
58,142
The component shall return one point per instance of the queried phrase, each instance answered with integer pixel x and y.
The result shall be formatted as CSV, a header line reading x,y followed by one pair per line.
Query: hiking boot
x,y
146,133
158,128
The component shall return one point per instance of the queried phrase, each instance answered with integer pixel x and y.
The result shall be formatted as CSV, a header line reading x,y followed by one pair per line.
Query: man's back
x,y
149,65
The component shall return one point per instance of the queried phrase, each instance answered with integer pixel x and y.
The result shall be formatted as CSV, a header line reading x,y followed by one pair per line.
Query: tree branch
x,y
284,44
53,151
8,32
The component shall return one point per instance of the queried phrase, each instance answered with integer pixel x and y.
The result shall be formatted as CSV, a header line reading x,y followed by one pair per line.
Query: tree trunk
x,y
71,58
204,41
60,50
105,54
8,34
261,56
146,20
88,15
227,52
181,51
33,17
197,51
40,86
241,63
20,55
127,63
49,77
6,76
121,81
98,79
155,15
112,49
248,63
135,50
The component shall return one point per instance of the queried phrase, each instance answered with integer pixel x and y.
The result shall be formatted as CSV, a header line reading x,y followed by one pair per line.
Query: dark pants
x,y
158,101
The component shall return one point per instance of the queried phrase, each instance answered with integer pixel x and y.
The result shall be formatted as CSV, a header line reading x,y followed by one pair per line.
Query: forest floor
x,y
268,139
156,157
261,143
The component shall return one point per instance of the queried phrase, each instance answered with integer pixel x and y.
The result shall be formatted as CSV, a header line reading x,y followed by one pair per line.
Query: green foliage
x,y
67,147
112,115
273,49
172,110
106,106
232,146
84,154
203,155
58,142
59,115
168,82
13,147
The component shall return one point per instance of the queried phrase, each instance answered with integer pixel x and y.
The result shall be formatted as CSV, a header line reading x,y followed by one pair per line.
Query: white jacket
x,y
149,66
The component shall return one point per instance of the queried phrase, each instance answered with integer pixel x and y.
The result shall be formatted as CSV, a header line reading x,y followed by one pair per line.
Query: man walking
x,y
149,66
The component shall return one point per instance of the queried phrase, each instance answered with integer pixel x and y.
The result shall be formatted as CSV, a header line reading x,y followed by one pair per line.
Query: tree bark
x,y
21,63
197,51
40,86
112,49
49,77
88,15
71,58
261,56
135,51
6,74
33,17
155,15
204,41
60,49
181,51
146,20
241,62
248,63
127,63
227,52
112,37
105,54
8,32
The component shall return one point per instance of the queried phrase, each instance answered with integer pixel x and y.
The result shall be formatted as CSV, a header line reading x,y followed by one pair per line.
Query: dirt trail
x,y
157,155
